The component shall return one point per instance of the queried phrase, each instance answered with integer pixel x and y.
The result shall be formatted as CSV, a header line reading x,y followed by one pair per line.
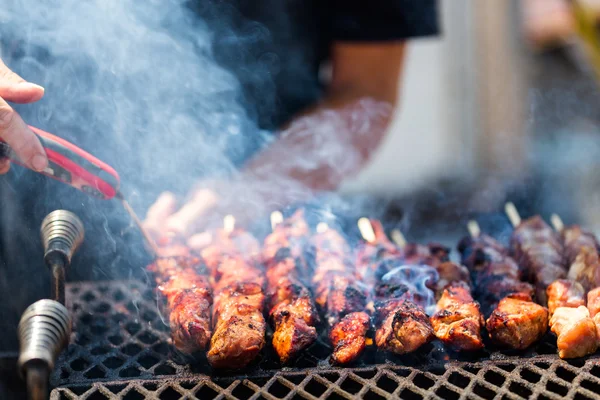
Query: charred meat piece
x,y
348,337
294,318
189,299
292,311
565,293
517,322
239,325
458,321
402,326
538,249
340,295
575,330
495,275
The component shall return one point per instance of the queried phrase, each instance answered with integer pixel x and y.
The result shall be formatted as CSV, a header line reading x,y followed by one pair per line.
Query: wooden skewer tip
x,y
322,227
473,228
398,238
512,214
557,222
366,230
276,219
229,223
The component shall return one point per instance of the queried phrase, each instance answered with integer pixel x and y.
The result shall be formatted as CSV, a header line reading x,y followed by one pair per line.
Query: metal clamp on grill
x,y
45,326
44,332
62,233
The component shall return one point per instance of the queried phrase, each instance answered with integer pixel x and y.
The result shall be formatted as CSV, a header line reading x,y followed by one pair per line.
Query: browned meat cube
x,y
403,327
517,322
458,321
575,330
349,337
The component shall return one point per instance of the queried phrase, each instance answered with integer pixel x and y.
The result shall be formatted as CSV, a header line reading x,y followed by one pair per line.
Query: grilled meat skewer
x,y
292,311
401,325
239,325
571,321
189,298
237,282
458,321
494,273
538,249
340,296
514,320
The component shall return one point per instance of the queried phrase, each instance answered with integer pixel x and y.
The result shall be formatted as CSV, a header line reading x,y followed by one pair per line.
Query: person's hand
x,y
164,218
206,208
13,129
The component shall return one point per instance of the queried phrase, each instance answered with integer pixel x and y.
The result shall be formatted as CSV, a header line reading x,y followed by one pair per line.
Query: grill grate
x,y
120,349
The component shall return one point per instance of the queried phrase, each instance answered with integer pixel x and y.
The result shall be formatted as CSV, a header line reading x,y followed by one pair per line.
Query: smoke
x,y
139,85
414,281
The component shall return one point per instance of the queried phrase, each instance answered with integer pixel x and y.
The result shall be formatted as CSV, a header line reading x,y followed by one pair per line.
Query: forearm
x,y
335,138
326,144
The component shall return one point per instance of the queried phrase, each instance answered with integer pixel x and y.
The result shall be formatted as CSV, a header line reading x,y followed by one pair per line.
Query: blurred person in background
x,y
564,117
329,129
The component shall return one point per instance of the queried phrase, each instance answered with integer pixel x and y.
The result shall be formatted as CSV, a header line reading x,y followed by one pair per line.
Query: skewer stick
x,y
366,230
398,238
322,227
229,223
276,219
512,214
557,223
473,228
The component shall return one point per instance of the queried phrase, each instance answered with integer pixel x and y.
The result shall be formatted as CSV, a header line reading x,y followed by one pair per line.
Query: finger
x,y
182,221
4,166
16,89
21,139
158,212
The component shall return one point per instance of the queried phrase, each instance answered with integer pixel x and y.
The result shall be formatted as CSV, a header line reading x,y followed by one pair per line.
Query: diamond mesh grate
x,y
121,349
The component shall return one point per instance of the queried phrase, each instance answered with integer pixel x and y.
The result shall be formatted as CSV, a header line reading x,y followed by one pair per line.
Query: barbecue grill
x,y
120,347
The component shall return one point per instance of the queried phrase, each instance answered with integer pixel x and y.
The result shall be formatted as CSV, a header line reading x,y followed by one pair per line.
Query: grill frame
x,y
119,342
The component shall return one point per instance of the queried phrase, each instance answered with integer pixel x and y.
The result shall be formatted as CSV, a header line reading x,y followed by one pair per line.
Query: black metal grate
x,y
121,350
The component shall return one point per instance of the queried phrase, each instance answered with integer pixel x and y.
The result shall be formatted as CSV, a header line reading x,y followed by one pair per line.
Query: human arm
x,y
316,151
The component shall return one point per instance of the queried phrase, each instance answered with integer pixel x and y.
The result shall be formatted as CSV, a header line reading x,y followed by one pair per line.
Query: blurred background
x,y
503,105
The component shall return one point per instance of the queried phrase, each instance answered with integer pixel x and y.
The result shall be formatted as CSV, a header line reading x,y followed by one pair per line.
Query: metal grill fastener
x,y
62,233
44,331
